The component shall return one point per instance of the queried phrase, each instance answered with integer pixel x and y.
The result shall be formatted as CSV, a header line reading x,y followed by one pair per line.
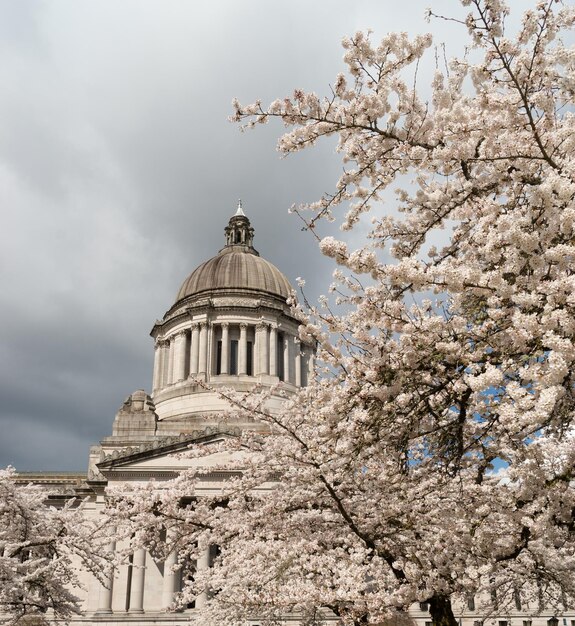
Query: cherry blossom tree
x,y
433,458
40,550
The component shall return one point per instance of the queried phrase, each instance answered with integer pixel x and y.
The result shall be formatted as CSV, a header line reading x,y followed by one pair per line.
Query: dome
x,y
236,269
238,266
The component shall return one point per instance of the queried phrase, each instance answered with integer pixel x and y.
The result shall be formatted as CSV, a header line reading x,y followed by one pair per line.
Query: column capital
x,y
182,333
225,324
243,325
262,326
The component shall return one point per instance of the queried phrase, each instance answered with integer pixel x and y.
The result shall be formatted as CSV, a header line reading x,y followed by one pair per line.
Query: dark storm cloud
x,y
119,171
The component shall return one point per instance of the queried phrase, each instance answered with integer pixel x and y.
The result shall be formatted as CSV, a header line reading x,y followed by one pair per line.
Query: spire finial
x,y
240,211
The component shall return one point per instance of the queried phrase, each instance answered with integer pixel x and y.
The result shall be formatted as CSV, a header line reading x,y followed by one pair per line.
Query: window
x,y
526,622
428,623
471,602
219,357
502,622
234,356
424,606
250,359
280,357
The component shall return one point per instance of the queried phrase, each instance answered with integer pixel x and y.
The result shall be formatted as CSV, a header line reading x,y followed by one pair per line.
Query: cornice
x,y
51,478
165,475
202,302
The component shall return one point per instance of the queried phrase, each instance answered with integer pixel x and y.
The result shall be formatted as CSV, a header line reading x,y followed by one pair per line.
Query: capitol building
x,y
230,326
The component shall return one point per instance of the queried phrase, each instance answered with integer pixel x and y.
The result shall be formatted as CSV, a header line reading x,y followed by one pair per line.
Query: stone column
x,y
138,574
172,350
175,347
163,374
310,365
180,356
210,348
273,350
266,349
286,356
225,347
167,350
257,350
203,348
158,380
202,565
305,354
243,349
195,349
157,365
297,344
262,355
171,577
105,594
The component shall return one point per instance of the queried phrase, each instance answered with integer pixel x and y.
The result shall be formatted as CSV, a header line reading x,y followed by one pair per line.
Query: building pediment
x,y
164,458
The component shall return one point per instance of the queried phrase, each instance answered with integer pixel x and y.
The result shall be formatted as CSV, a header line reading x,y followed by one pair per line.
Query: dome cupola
x,y
239,231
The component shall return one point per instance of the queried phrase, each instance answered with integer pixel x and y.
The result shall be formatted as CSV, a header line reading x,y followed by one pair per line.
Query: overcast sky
x,y
119,171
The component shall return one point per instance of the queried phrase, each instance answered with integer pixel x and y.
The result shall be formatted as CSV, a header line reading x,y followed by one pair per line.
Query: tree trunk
x,y
441,611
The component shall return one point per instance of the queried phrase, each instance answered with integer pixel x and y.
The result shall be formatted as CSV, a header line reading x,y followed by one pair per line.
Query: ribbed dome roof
x,y
233,269
238,266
